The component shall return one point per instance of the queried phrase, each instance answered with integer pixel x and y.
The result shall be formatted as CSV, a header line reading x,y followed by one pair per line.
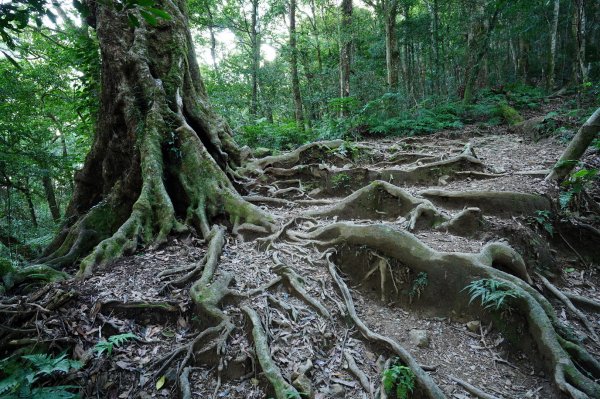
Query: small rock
x,y
302,383
419,338
335,391
473,326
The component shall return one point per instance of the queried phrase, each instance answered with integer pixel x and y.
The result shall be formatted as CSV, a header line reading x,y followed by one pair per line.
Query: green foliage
x,y
493,294
340,180
543,219
400,380
21,377
348,149
508,114
112,341
284,135
418,285
575,183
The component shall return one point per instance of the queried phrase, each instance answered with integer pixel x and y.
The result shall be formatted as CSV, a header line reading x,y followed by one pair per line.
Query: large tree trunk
x,y
345,47
298,112
161,158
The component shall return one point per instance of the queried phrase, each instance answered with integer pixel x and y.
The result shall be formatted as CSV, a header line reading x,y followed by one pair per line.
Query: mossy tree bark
x,y
162,160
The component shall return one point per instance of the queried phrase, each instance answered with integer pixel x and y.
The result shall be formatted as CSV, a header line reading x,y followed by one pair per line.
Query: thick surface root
x,y
308,153
283,390
502,203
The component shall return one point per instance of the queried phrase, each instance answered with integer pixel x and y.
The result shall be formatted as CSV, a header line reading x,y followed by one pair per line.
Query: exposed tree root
x,y
283,390
491,202
466,223
376,200
452,272
295,282
382,200
259,199
583,301
400,158
309,153
424,381
358,373
560,295
12,276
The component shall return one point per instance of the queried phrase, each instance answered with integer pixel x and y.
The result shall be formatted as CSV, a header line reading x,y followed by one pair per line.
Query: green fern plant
x,y
20,375
493,294
399,379
543,219
418,285
112,341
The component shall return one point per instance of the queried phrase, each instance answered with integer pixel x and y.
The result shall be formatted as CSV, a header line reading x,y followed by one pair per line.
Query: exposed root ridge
x,y
308,153
376,200
295,282
283,389
500,203
452,272
424,381
12,276
400,158
358,373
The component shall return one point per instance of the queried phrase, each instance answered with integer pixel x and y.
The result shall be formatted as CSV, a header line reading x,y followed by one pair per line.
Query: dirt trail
x,y
274,319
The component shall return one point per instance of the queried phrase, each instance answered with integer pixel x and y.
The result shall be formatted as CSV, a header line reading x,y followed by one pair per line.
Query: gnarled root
x,y
308,153
377,200
283,390
295,282
452,272
11,276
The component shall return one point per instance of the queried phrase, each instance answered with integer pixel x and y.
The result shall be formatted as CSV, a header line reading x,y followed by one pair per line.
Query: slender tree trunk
x,y
316,34
255,42
51,197
213,42
298,113
406,64
552,50
584,137
345,50
524,48
391,45
31,207
578,27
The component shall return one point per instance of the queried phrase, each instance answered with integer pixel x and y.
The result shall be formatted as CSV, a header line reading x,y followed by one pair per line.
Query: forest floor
x,y
489,350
